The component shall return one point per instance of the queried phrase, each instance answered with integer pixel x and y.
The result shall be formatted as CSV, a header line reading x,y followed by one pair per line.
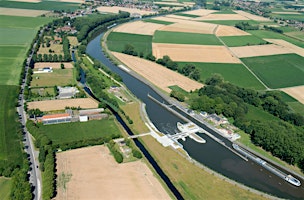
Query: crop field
x,y
10,149
187,15
246,40
5,188
187,26
223,30
234,73
278,71
298,17
185,38
138,27
296,34
117,41
16,36
273,35
76,131
157,21
295,93
22,12
230,22
43,5
59,77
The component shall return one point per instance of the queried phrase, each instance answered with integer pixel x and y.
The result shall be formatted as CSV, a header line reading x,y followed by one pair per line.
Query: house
x,y
56,118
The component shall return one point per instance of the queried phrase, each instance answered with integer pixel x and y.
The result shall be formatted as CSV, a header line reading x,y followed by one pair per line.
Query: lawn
x,y
76,131
5,188
43,5
59,77
230,22
273,35
185,38
117,41
234,73
278,71
190,180
10,148
158,21
246,40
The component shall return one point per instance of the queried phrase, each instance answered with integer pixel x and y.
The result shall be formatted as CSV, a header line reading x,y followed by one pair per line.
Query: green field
x,y
117,41
43,5
230,22
186,15
278,71
59,77
16,34
5,188
289,16
10,148
224,12
246,40
157,21
185,38
273,35
76,131
296,34
234,73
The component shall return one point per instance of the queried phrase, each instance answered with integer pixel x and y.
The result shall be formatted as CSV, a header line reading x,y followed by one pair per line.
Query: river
x,y
211,154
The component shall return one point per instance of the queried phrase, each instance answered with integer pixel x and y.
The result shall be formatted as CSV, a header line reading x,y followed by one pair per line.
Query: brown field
x,y
57,48
200,12
229,31
194,53
221,17
95,175
168,19
157,74
179,17
291,47
139,27
30,1
292,13
60,104
251,16
73,40
296,92
22,12
54,65
191,27
259,50
116,9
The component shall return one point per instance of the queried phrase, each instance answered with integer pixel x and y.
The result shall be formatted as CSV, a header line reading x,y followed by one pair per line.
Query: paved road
x,y
35,174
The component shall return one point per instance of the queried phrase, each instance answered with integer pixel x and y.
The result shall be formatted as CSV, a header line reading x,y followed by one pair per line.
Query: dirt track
x,y
61,104
139,27
296,92
157,74
95,175
194,53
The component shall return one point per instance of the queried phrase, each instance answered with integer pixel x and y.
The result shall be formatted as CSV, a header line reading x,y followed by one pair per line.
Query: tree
x,y
62,66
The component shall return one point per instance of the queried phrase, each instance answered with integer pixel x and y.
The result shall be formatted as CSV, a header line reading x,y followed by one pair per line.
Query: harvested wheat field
x,y
139,27
170,19
296,92
54,65
200,12
259,50
92,173
221,17
229,31
116,9
293,48
157,74
61,104
22,12
251,16
190,27
179,17
194,53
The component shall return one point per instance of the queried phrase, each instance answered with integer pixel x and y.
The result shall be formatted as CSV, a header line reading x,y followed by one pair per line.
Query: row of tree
x,y
245,26
117,155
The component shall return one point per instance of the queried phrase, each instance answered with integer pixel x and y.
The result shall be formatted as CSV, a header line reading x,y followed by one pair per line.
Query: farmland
x,y
5,187
117,41
59,77
185,38
278,71
234,41
230,22
157,21
76,131
10,149
234,73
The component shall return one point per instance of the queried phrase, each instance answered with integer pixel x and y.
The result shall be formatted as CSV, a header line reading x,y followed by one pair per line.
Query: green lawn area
x,y
59,77
230,22
278,71
5,188
117,41
10,149
185,38
186,15
234,73
272,35
158,21
43,5
76,131
246,40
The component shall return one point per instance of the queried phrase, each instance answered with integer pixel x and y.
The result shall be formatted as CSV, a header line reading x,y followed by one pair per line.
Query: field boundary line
x,y
267,88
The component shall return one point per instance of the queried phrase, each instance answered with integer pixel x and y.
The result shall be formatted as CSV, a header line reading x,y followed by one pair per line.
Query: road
x,y
35,174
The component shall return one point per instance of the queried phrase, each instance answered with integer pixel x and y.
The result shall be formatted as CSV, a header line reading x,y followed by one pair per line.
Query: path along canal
x,y
211,154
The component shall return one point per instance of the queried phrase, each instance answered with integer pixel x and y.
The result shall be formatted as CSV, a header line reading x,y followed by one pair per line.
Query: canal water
x,y
211,154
